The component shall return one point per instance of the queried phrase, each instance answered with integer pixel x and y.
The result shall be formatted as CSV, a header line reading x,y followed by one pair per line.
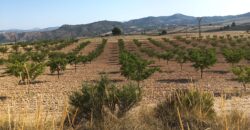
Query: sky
x,y
29,14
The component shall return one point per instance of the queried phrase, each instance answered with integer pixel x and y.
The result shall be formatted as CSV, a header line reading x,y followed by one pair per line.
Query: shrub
x,y
93,101
190,109
202,58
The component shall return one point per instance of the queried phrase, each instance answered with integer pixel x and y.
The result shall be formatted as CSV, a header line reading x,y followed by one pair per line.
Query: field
x,y
47,98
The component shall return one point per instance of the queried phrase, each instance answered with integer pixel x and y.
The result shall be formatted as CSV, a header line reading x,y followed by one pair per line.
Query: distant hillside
x,y
132,26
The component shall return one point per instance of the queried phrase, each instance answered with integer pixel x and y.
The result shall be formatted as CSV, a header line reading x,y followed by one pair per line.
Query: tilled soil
x,y
51,93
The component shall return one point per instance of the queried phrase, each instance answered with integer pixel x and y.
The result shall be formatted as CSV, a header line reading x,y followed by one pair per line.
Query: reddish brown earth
x,y
52,93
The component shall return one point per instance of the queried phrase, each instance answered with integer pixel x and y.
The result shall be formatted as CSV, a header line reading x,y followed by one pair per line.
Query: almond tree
x,y
202,58
38,57
243,75
57,65
72,58
233,56
181,57
167,55
19,66
135,68
15,47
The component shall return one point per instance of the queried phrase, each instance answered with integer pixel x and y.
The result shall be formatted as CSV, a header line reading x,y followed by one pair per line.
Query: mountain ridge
x,y
133,26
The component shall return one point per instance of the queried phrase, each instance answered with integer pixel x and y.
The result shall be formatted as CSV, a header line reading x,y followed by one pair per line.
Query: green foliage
x,y
181,57
18,57
54,54
80,47
73,59
64,43
38,57
233,56
3,50
202,58
167,55
135,68
91,100
247,54
98,51
15,47
27,71
156,43
137,43
195,110
150,52
163,32
243,74
28,49
57,65
116,31
2,61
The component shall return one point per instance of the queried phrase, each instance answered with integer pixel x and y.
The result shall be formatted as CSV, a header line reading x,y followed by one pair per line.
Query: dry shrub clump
x,y
186,109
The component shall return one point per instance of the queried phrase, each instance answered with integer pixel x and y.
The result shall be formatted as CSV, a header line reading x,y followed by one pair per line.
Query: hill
x,y
135,26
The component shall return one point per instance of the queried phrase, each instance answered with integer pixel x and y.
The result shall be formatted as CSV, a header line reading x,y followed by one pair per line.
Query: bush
x,y
190,109
95,100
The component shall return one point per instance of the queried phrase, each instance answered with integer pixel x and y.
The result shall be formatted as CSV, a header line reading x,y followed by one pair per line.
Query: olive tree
x,y
202,59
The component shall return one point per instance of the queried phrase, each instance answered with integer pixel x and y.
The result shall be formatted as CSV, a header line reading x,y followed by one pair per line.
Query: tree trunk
x,y
58,73
181,66
245,87
201,73
75,67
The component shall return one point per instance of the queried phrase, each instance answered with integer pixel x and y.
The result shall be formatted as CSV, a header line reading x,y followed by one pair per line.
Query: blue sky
x,y
27,14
